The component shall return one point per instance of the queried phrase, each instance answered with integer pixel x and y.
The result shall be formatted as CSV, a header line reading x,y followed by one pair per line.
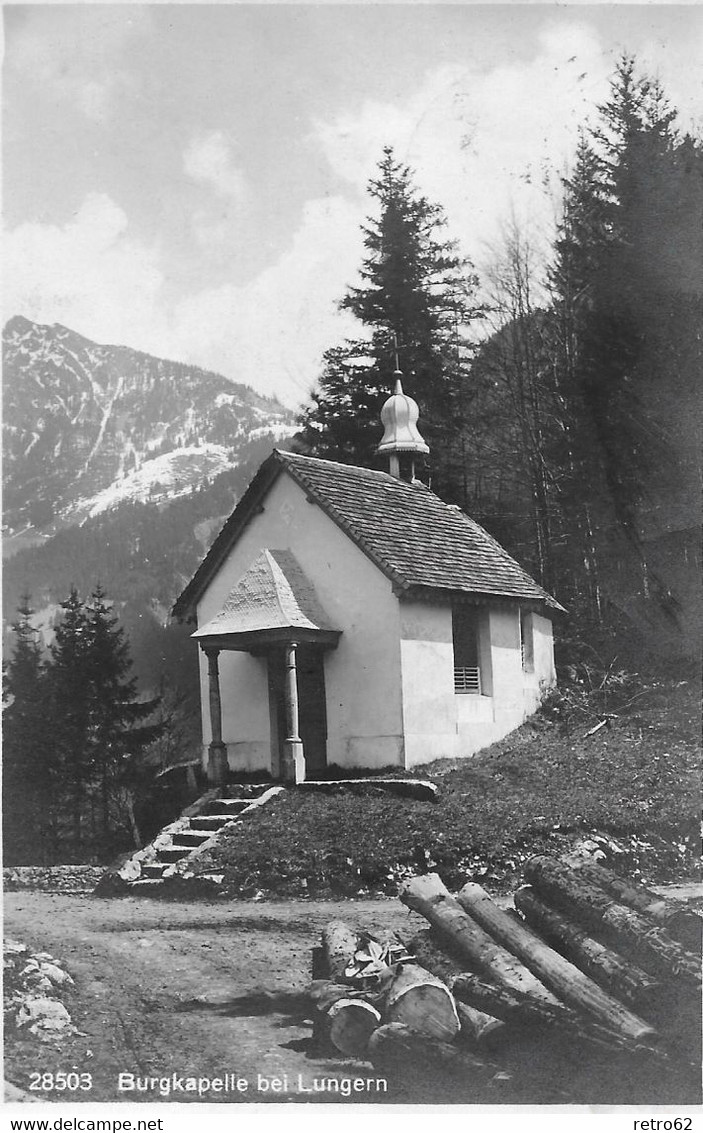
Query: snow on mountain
x,y
163,478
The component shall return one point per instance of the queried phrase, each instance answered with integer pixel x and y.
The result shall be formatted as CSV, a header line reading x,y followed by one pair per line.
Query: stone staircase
x,y
179,843
173,854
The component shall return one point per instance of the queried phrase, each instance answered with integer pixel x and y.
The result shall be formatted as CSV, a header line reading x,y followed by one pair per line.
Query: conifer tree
x,y
416,294
625,320
99,727
69,697
634,137
28,774
582,498
118,729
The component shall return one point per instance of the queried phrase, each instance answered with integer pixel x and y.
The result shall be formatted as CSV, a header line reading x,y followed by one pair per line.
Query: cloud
x,y
270,333
208,161
87,274
478,143
484,144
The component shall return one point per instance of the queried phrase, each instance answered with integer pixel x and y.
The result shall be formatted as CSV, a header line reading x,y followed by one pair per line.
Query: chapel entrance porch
x,y
273,614
297,703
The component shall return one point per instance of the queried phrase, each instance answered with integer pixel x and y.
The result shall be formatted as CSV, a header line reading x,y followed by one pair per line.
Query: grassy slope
x,y
541,789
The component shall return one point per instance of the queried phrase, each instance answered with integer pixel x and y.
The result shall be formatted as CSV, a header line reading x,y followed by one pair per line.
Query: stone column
x,y
293,757
217,766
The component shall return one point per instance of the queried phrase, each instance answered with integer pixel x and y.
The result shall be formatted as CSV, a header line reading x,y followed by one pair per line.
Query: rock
x,y
43,1016
42,984
58,977
52,879
14,948
131,870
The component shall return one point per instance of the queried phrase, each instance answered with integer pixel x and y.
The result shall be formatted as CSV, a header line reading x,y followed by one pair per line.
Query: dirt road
x,y
202,989
215,988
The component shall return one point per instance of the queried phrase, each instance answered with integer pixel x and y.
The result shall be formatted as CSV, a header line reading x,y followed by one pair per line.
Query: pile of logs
x,y
588,974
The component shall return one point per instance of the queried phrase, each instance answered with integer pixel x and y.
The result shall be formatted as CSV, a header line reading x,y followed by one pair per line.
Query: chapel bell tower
x,y
401,437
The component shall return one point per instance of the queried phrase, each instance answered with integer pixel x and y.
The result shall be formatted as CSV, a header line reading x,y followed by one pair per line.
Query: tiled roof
x,y
412,534
416,539
273,594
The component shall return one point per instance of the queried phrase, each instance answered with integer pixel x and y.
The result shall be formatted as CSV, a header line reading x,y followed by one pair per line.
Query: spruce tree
x,y
634,136
68,681
416,298
581,494
627,311
28,772
119,731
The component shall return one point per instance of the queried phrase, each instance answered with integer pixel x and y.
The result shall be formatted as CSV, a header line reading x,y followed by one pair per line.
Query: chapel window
x,y
527,641
466,642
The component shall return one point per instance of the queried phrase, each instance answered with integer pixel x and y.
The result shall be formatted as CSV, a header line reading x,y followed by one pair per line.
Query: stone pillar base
x,y
217,765
293,769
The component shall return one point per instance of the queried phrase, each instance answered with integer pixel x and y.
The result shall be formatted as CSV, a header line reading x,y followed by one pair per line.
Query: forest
x,y
559,393
75,732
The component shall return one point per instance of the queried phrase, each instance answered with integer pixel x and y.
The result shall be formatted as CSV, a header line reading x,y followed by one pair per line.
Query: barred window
x,y
465,631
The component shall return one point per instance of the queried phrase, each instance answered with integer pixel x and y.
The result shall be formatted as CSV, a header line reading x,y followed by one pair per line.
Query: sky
x,y
191,179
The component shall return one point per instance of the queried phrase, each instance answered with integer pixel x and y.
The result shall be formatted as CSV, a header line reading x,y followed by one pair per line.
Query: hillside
x,y
634,787
87,426
120,467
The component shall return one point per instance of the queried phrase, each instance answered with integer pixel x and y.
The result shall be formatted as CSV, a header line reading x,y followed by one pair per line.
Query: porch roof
x,y
273,601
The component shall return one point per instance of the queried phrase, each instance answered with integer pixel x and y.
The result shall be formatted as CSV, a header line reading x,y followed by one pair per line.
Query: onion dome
x,y
399,419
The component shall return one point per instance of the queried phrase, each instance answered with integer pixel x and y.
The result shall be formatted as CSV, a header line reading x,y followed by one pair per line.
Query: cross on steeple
x,y
395,352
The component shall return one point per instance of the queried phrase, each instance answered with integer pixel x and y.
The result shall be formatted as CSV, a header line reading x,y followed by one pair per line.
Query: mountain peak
x,y
81,419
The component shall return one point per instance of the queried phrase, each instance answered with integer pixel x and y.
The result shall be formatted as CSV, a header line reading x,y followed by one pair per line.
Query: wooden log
x,y
481,1030
525,1012
685,925
503,1002
403,1054
605,966
340,943
427,951
422,1002
654,949
324,993
562,977
344,1017
427,895
351,1023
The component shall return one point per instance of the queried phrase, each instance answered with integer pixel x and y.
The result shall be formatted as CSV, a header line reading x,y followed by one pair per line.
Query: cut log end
x,y
422,1002
481,1030
351,1024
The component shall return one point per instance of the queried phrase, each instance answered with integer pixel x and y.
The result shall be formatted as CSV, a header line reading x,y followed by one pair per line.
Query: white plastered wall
x,y
482,720
543,675
362,675
427,664
440,723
